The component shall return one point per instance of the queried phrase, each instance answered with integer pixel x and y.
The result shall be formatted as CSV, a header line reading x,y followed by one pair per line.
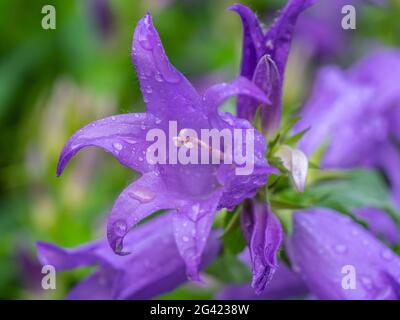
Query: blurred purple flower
x,y
264,60
380,224
263,233
285,284
154,266
101,14
355,113
319,30
325,244
194,191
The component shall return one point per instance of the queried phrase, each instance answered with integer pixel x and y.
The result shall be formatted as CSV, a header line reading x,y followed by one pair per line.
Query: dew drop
x,y
270,44
340,248
185,239
141,194
167,71
387,254
117,146
158,77
145,34
120,228
367,282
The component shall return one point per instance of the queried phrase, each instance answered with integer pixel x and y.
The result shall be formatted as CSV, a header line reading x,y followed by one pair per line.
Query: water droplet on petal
x,y
340,248
120,228
158,77
164,67
142,194
387,254
367,282
145,34
185,239
117,146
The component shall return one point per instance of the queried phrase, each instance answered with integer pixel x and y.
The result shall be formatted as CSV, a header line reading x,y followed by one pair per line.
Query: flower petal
x,y
263,233
253,39
154,266
329,249
192,225
161,83
140,199
279,36
217,94
296,162
278,41
123,135
66,259
96,286
240,187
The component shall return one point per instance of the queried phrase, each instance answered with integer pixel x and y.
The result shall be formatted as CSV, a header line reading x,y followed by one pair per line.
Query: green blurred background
x,y
52,82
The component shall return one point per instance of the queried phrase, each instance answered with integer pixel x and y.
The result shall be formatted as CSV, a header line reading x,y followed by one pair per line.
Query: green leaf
x,y
356,189
232,236
229,269
295,138
289,125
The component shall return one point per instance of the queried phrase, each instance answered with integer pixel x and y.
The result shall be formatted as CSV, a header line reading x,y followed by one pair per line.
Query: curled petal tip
x,y
59,171
236,7
116,238
118,247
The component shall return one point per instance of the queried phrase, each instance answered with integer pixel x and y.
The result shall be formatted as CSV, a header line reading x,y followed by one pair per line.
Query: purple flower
x,y
339,259
102,16
263,233
284,285
193,191
153,267
319,31
264,60
355,113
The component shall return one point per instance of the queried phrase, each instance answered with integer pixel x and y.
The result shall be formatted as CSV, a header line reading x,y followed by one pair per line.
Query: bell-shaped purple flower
x,y
264,60
355,113
339,259
263,233
154,266
194,191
